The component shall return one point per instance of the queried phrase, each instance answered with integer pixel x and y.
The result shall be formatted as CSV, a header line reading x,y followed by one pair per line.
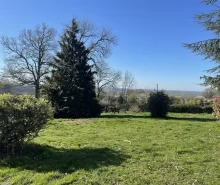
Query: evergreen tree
x,y
210,48
71,87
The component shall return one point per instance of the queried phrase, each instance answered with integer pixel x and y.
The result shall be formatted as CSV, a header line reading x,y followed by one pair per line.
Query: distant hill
x,y
186,94
23,90
18,89
176,93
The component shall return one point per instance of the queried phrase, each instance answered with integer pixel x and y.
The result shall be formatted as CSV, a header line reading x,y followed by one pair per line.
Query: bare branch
x,y
105,77
28,56
128,82
98,42
209,1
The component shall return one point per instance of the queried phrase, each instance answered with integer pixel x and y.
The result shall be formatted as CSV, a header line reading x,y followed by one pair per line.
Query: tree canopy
x,y
28,56
210,48
71,87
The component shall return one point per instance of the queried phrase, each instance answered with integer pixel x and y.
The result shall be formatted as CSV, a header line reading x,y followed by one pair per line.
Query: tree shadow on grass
x,y
116,115
46,159
198,119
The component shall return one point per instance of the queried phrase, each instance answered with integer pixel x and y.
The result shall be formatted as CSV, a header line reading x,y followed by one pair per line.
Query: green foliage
x,y
179,108
158,104
21,118
186,101
208,109
190,105
71,87
133,98
121,100
143,106
123,104
209,48
125,107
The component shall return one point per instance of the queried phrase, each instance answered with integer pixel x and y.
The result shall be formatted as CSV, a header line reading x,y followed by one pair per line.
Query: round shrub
x,y
21,118
158,104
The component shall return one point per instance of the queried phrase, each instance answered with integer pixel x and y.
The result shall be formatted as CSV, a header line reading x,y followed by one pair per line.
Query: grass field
x,y
121,149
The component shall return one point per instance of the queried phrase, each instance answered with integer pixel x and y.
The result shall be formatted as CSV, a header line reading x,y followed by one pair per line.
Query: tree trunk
x,y
37,91
98,93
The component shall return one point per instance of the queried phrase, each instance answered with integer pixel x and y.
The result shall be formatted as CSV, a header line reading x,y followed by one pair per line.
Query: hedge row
x,y
190,109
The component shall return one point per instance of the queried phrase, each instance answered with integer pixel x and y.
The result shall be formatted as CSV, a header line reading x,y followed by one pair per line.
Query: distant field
x,y
185,94
121,149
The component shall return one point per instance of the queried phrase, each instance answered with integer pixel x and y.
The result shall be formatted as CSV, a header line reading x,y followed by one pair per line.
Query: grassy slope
x,y
128,149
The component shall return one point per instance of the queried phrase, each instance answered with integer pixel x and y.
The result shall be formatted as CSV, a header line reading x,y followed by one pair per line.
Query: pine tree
x,y
210,48
71,87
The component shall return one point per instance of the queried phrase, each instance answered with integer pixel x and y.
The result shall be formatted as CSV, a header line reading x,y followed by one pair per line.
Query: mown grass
x,y
120,149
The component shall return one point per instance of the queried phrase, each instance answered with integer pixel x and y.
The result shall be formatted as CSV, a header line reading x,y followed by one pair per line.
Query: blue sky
x,y
150,34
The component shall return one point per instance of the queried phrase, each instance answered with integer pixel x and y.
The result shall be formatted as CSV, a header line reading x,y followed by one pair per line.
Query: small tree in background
x,y
71,87
128,82
105,77
158,104
5,86
209,93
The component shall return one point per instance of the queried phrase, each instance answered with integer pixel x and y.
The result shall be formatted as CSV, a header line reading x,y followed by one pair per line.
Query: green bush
x,y
143,106
124,107
207,109
134,108
190,109
158,104
21,118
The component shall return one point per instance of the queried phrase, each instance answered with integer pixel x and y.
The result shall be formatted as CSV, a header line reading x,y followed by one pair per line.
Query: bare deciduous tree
x,y
5,85
209,92
105,77
128,82
98,42
28,56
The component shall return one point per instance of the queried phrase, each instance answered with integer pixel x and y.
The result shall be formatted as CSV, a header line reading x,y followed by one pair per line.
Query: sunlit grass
x,y
121,149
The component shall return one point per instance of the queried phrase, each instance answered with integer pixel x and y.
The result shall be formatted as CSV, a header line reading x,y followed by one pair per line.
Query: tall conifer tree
x,y
71,87
210,48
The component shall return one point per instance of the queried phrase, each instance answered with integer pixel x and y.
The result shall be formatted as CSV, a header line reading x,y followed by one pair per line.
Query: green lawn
x,y
121,149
